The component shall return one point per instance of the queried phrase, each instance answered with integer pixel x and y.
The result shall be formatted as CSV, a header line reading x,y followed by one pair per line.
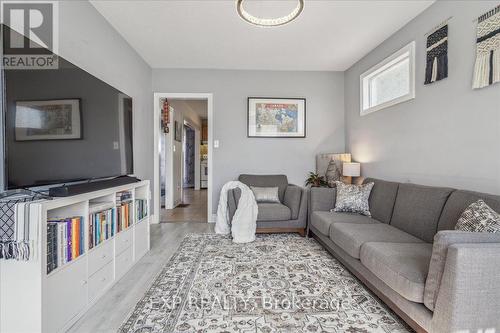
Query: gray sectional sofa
x,y
436,279
290,215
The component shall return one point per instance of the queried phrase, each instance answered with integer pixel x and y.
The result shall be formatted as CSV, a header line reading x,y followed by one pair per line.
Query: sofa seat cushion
x,y
351,236
402,266
323,220
273,212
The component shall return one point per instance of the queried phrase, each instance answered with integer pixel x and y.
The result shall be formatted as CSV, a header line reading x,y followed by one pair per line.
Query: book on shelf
x,y
124,210
124,215
141,209
102,226
65,241
123,197
51,249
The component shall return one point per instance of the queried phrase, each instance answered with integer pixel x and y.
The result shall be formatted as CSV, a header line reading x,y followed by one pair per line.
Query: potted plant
x,y
315,180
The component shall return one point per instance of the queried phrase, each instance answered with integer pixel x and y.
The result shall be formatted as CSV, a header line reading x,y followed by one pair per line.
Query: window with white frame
x,y
390,82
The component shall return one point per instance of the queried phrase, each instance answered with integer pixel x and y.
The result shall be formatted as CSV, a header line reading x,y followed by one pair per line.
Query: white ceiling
x,y
328,35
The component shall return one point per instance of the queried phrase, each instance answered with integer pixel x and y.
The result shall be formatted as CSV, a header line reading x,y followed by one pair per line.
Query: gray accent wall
x,y
238,154
449,134
90,42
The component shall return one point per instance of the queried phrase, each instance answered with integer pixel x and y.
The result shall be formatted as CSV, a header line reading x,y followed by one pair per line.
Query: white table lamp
x,y
351,169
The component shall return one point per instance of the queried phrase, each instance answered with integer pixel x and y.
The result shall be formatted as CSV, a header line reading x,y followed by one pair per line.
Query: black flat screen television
x,y
63,125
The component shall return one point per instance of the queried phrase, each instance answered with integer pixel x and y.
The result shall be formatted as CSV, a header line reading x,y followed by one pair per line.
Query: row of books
x,y
141,209
124,216
66,236
124,209
102,225
107,223
65,241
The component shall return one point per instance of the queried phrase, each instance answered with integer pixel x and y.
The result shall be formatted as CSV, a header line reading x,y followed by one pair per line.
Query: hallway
x,y
195,211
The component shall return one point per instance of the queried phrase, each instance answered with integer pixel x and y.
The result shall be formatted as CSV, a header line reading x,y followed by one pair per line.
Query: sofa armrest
x,y
442,241
293,194
469,295
322,198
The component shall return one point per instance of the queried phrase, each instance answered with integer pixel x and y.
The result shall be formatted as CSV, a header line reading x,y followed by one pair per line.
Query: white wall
x,y
238,154
449,134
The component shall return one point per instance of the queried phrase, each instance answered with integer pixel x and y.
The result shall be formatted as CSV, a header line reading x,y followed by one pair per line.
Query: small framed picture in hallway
x,y
276,117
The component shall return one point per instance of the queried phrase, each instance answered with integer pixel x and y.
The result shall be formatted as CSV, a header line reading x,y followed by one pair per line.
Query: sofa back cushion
x,y
418,208
280,181
459,200
382,199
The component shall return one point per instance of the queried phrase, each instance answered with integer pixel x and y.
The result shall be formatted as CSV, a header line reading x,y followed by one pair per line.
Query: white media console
x,y
33,301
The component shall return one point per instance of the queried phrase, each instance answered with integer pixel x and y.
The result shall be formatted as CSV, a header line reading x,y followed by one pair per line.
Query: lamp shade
x,y
351,169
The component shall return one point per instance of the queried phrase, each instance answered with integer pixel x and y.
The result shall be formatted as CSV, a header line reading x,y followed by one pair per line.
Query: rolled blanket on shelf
x,y
18,230
244,223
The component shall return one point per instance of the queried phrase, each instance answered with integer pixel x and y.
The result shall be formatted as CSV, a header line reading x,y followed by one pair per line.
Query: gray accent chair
x,y
290,215
435,278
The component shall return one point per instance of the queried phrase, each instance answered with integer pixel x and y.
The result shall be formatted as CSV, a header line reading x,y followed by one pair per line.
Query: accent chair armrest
x,y
469,294
293,194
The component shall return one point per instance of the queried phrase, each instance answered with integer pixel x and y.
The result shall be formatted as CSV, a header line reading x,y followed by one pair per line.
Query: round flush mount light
x,y
269,22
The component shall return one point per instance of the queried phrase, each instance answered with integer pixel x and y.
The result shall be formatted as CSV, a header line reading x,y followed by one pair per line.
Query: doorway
x,y
182,153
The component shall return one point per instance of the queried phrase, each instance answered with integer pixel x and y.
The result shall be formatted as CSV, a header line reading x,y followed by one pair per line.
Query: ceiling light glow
x,y
269,22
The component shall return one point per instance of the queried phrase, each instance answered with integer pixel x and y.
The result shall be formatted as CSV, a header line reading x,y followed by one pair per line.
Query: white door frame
x,y
156,152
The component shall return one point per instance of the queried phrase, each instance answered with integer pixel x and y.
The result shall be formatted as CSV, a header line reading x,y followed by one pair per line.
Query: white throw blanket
x,y
244,223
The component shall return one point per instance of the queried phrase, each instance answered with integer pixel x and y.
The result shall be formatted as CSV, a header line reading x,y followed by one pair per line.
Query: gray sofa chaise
x,y
290,215
391,254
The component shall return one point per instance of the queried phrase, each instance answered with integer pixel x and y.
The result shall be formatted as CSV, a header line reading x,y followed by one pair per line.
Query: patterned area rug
x,y
279,283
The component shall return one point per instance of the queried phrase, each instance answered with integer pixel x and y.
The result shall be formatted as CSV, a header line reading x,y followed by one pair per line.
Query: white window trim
x,y
389,61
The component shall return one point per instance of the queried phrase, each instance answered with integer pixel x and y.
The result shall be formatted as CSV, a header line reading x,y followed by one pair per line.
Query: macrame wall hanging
x,y
437,54
165,115
487,68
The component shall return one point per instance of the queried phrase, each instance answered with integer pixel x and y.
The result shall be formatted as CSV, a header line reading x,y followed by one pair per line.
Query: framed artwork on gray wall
x,y
59,119
276,117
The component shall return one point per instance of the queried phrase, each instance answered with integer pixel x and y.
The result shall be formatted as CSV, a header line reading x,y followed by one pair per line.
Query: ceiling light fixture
x,y
269,22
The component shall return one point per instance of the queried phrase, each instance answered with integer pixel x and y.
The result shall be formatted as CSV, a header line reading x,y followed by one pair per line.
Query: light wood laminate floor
x,y
196,211
107,315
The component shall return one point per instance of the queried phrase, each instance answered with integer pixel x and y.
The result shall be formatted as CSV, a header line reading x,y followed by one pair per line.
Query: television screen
x,y
64,125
